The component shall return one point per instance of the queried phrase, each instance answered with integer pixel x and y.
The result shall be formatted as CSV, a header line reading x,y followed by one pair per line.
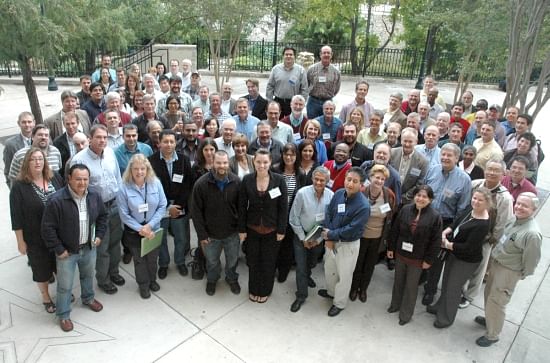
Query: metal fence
x,y
259,56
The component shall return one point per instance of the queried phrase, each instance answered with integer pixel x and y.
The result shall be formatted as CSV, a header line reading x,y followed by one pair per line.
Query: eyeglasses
x,y
36,159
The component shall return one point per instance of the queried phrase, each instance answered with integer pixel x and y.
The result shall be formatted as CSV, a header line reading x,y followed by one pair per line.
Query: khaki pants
x,y
498,292
339,267
473,286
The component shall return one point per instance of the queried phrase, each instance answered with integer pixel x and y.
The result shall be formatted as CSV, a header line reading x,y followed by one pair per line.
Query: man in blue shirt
x,y
130,147
246,123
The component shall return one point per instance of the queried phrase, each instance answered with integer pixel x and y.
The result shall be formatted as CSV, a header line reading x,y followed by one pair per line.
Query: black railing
x,y
258,56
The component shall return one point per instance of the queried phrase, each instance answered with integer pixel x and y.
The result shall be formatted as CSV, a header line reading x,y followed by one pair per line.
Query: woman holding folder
x,y
142,205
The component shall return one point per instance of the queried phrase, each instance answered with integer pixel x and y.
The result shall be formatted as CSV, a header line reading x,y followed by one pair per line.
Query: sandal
x,y
49,307
253,298
262,299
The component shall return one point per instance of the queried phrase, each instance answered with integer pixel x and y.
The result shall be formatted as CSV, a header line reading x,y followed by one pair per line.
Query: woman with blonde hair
x,y
356,117
312,131
142,204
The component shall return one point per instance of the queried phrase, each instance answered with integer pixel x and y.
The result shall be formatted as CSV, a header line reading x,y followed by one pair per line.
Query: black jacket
x,y
256,209
215,212
62,145
260,107
427,237
60,222
177,192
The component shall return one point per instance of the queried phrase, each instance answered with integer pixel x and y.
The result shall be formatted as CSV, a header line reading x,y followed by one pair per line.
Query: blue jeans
x,y
213,251
180,229
108,252
85,260
304,259
314,107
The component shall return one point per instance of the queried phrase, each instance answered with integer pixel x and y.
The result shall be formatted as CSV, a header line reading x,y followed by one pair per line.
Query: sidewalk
x,y
181,323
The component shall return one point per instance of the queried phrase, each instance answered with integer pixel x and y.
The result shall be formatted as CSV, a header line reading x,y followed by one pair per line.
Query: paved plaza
x,y
180,323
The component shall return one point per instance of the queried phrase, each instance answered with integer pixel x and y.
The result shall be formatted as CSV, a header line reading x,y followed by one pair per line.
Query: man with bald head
x,y
430,149
323,81
442,122
228,102
424,114
411,104
435,108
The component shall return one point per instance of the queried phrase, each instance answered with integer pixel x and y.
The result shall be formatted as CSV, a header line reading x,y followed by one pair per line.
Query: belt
x,y
84,245
110,202
283,99
321,98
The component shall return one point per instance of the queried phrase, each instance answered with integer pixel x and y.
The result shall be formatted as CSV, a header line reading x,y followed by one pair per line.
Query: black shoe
x,y
183,270
118,280
144,292
484,342
283,274
296,305
391,264
439,325
333,311
428,299
392,310
108,288
235,287
432,309
311,283
154,286
363,296
480,320
163,271
324,293
126,258
353,295
402,322
210,288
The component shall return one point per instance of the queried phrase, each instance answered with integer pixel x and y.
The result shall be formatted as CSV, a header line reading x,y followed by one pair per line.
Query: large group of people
x,y
434,191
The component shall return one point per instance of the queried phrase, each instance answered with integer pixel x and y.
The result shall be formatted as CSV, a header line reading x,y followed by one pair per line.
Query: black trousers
x,y
261,255
146,266
285,257
366,261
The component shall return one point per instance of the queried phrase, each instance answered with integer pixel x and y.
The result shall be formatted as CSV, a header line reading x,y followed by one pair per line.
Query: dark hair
x,y
288,47
167,132
172,98
96,127
460,104
527,117
78,166
200,160
98,84
483,102
109,73
301,148
163,65
263,151
360,172
428,189
38,127
529,137
521,159
207,121
129,126
289,147
164,78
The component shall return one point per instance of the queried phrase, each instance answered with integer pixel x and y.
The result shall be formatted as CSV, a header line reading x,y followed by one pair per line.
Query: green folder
x,y
147,245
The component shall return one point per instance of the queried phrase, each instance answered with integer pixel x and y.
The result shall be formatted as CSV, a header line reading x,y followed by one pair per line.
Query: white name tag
x,y
274,193
322,79
341,208
330,183
384,208
370,146
82,216
319,217
406,246
297,136
142,208
177,178
415,172
326,136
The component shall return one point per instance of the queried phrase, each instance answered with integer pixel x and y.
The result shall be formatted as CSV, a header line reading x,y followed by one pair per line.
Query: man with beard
x,y
411,104
296,119
175,90
359,153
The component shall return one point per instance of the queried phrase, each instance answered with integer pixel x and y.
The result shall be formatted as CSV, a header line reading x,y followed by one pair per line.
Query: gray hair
x,y
451,147
129,126
229,121
469,148
112,96
411,131
445,115
329,102
499,161
214,94
149,97
322,170
148,75
298,97
151,123
263,123
534,199
397,95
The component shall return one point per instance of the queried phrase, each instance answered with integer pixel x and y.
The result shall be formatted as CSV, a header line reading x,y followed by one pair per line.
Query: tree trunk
x,y
30,88
353,44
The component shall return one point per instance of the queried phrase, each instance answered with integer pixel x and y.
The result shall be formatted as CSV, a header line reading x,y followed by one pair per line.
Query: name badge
x,y
82,216
384,208
292,80
406,246
370,146
319,217
326,136
330,183
322,79
274,193
177,178
142,208
448,193
297,136
341,208
415,172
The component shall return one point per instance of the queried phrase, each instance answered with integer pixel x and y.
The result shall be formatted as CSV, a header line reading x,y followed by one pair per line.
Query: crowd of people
x,y
427,188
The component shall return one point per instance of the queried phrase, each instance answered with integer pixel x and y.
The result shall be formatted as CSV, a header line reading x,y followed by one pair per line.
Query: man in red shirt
x,y
456,116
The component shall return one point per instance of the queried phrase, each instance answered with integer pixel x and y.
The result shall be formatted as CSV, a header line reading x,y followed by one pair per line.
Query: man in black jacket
x,y
74,223
214,209
174,171
256,102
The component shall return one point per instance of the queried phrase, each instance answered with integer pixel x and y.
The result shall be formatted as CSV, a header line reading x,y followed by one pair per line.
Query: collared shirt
x,y
432,155
283,133
170,163
516,189
404,165
191,153
246,127
226,104
228,148
52,154
286,83
486,151
323,81
308,210
114,141
452,190
220,116
131,199
366,138
331,129
104,171
83,217
205,106
186,104
123,154
435,110
367,108
72,147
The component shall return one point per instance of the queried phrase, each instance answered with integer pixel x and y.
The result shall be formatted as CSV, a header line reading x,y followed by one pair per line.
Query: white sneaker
x,y
464,303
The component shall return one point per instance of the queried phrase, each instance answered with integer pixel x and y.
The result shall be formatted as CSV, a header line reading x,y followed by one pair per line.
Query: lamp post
x,y
52,85
274,59
428,51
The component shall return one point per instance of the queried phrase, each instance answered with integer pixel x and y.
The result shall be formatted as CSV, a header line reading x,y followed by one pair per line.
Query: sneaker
x,y
210,288
464,303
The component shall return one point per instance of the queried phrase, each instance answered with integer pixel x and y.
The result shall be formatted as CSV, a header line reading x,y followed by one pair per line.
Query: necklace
x,y
372,199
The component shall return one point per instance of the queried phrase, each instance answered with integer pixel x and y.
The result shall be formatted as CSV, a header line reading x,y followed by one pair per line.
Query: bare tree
x,y
526,25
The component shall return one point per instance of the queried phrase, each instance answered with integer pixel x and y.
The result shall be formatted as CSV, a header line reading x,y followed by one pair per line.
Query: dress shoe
x,y
391,264
296,305
154,286
392,310
402,322
353,295
480,320
311,283
235,287
439,325
363,296
126,258
210,288
432,309
283,274
333,311
108,288
182,269
484,342
163,271
324,293
94,305
144,292
118,280
66,325
428,299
